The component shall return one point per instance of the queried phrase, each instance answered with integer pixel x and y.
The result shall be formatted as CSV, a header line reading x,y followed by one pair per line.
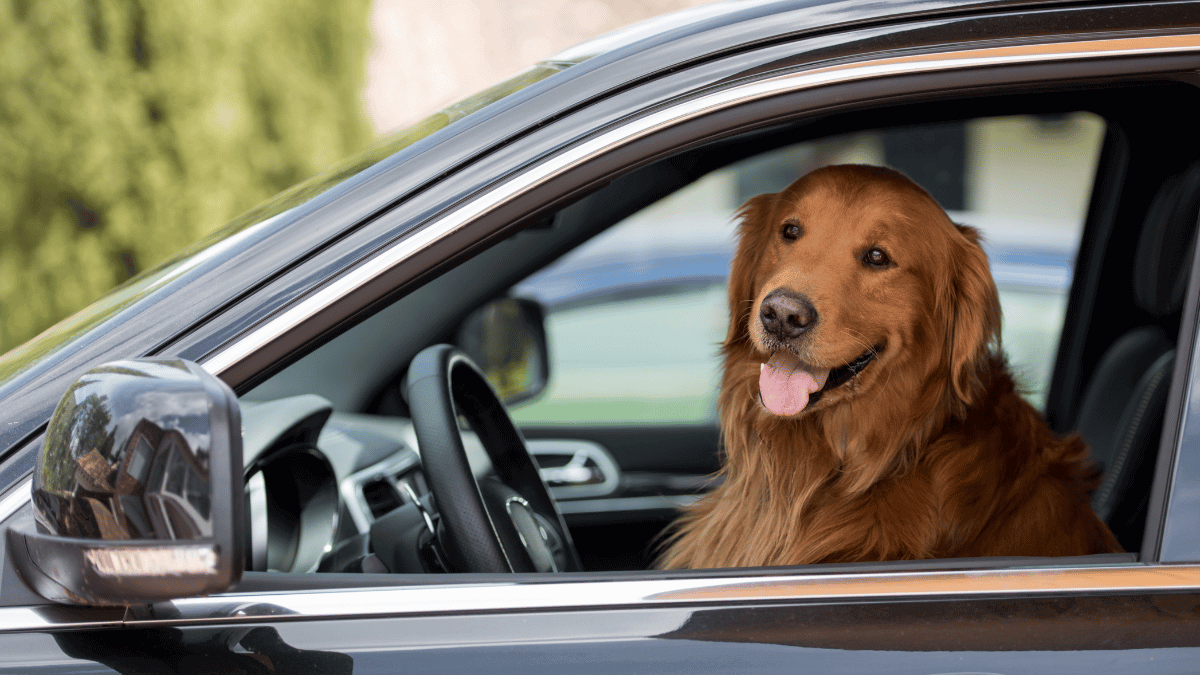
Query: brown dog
x,y
867,411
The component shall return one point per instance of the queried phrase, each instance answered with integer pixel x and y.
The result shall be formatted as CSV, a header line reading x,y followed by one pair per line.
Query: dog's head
x,y
852,280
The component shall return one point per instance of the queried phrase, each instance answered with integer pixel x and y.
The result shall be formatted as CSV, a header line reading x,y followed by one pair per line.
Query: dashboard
x,y
317,482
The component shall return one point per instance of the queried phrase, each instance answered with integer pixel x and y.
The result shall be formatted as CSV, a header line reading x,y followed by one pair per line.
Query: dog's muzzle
x,y
843,374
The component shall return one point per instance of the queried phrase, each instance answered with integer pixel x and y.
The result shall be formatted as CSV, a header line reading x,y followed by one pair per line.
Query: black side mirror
x,y
506,338
138,493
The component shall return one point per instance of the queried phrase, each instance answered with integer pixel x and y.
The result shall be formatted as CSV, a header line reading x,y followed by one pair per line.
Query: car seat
x,y
1121,415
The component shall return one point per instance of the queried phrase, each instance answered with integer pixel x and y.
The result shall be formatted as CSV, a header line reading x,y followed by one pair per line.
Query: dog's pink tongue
x,y
784,383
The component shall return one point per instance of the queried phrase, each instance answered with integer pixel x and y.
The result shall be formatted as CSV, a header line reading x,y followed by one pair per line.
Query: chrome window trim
x,y
13,501
542,593
58,617
338,288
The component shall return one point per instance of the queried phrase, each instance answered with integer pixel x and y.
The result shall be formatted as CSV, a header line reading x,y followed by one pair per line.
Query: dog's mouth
x,y
787,385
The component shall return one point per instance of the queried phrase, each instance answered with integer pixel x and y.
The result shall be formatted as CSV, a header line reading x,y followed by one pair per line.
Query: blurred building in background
x,y
429,53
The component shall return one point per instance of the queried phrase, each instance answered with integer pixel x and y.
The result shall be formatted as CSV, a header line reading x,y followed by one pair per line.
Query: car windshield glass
x,y
254,223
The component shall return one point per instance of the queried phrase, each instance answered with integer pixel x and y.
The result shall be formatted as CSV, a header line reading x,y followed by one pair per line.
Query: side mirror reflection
x,y
506,338
137,493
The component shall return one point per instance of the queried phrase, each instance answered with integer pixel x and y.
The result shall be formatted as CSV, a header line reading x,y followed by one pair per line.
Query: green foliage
x,y
132,128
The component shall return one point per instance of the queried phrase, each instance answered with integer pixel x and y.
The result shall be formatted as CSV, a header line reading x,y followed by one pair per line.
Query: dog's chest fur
x,y
814,512
811,491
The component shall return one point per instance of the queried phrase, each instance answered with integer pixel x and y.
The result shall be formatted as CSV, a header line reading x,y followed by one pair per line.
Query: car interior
x,y
605,346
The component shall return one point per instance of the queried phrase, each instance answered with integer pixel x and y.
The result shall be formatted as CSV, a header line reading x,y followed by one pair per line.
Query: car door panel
x,y
1158,633
662,467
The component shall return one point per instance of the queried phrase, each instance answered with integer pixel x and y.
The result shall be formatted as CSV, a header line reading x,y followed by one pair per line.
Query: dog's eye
x,y
791,230
875,257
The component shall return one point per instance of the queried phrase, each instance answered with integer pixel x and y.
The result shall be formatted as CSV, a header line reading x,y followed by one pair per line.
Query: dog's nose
x,y
786,314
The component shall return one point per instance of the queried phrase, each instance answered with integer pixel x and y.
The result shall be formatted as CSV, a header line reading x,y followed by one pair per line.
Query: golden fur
x,y
928,452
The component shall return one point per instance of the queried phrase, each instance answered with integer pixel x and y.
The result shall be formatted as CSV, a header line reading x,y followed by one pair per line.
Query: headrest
x,y
1168,239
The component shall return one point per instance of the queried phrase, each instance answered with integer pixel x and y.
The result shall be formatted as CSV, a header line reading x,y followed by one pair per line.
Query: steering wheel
x,y
501,519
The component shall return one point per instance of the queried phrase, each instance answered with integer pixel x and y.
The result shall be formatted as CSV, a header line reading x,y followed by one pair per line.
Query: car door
x,y
1136,611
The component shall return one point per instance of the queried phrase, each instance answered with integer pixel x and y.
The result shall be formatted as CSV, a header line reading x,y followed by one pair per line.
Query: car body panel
x,y
1061,634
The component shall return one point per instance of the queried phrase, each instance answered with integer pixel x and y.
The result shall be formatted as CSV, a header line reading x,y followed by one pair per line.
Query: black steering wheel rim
x,y
443,383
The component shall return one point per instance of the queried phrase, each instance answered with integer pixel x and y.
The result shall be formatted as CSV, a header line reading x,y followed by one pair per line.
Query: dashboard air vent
x,y
381,497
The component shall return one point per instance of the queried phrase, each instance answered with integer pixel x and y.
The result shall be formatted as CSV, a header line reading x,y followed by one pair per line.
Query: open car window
x,y
636,316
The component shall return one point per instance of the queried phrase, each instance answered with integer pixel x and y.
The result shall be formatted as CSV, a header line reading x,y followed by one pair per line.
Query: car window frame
x,y
381,275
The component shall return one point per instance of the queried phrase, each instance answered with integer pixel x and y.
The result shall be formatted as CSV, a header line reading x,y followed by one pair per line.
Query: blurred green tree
x,y
131,128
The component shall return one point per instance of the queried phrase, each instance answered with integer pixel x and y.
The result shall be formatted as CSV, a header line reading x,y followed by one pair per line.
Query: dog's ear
x,y
754,221
974,320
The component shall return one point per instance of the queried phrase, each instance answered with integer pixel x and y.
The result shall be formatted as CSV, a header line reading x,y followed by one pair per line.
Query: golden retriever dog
x,y
867,410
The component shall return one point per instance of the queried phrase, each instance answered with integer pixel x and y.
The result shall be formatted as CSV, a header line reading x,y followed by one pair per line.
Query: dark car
x,y
284,450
